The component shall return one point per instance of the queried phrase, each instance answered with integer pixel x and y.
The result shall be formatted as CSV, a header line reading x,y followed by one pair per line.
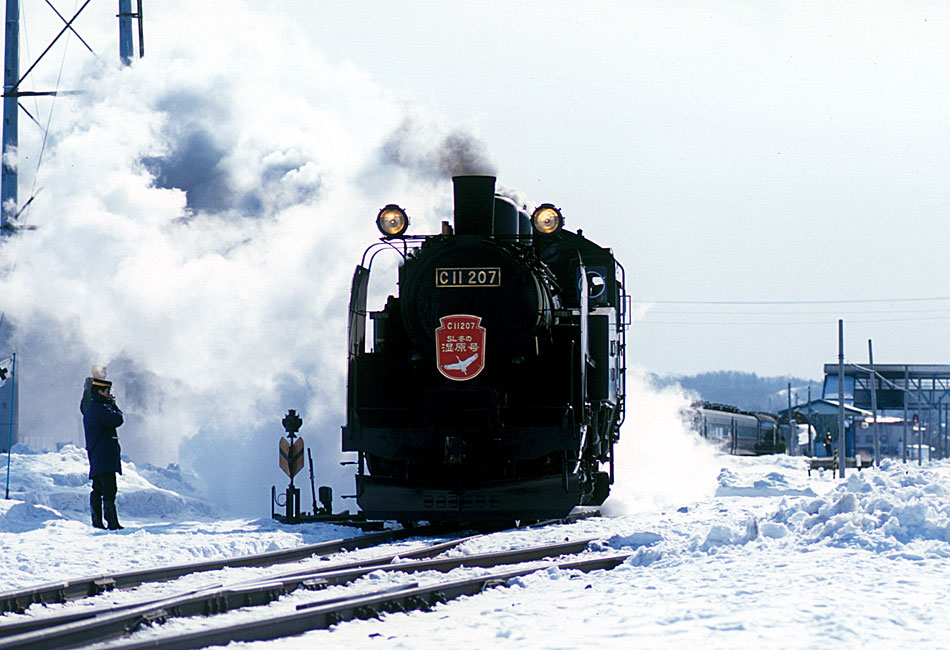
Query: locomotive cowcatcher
x,y
492,388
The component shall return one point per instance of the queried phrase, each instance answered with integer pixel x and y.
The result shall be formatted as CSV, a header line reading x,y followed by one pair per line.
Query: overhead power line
x,y
789,302
777,312
708,323
836,313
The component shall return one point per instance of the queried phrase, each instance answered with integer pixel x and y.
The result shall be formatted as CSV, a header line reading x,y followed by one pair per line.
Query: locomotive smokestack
x,y
474,204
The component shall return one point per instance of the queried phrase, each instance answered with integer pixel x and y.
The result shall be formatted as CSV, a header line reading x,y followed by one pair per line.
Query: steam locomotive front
x,y
466,407
476,300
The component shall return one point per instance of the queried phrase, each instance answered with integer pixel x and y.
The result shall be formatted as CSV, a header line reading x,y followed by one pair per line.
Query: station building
x,y
910,403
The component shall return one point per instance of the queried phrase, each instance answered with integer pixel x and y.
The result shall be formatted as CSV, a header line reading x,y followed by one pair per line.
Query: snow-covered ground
x,y
770,557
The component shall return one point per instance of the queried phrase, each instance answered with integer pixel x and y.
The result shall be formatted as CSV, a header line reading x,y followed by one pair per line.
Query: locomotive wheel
x,y
601,488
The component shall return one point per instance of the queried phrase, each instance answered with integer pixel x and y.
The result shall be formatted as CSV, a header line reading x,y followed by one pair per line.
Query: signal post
x,y
291,462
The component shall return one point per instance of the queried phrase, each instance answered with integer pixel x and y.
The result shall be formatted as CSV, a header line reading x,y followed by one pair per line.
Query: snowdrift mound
x,y
51,485
771,485
25,516
891,508
896,509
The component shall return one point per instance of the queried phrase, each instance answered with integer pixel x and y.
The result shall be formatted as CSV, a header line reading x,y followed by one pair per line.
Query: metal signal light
x,y
547,219
392,221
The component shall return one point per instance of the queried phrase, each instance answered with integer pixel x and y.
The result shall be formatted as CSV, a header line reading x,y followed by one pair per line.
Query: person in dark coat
x,y
100,420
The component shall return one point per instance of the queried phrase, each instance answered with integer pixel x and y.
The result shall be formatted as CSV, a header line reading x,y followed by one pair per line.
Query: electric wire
x,y
49,119
23,214
771,312
708,323
846,301
799,313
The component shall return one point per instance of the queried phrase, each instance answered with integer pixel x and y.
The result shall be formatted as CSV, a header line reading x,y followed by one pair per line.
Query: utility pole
x,y
126,52
842,450
931,427
918,424
125,31
788,443
11,75
906,392
877,442
9,200
811,440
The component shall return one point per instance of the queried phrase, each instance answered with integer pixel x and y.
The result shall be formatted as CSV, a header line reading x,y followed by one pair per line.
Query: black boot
x,y
95,502
112,518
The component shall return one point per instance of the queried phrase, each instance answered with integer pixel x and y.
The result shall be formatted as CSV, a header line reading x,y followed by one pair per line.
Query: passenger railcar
x,y
492,385
737,432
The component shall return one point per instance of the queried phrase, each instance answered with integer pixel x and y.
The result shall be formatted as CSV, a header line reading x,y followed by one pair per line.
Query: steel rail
x,y
443,565
369,564
60,592
321,615
214,600
64,591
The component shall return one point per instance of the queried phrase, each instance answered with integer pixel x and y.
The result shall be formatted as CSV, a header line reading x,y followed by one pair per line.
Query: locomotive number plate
x,y
468,277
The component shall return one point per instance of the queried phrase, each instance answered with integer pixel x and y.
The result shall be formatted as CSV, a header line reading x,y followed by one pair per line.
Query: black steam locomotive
x,y
493,389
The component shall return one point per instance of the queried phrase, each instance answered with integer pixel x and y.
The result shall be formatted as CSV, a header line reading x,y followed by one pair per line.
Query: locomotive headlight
x,y
547,219
392,221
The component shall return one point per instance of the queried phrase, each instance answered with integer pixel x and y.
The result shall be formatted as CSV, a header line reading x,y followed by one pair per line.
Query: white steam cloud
x,y
200,216
198,220
660,461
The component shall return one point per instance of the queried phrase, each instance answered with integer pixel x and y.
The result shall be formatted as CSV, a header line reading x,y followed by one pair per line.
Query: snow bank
x,y
772,484
899,510
750,564
58,482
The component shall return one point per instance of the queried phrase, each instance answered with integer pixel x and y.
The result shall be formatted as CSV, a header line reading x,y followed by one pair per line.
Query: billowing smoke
x,y
200,216
195,159
415,145
660,461
517,196
461,154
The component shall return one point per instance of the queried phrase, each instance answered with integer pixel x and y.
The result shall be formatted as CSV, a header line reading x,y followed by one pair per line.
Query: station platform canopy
x,y
824,407
898,386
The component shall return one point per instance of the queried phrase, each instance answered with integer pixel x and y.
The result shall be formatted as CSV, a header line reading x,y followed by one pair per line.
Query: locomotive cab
x,y
494,386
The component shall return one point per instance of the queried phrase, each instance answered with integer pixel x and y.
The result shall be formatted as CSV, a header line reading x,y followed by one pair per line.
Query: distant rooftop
x,y
893,369
895,385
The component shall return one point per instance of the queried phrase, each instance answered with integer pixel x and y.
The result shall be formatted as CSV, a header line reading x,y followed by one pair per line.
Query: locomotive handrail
x,y
625,314
417,240
381,246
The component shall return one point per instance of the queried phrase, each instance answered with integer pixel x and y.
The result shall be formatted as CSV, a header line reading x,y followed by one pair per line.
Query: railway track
x,y
211,599
322,614
61,592
117,622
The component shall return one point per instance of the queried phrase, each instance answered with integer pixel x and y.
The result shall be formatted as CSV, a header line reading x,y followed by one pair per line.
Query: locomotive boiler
x,y
491,385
